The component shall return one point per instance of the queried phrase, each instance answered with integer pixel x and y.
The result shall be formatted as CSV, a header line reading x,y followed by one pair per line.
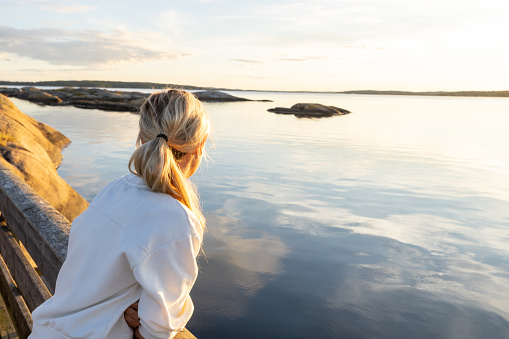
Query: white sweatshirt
x,y
130,244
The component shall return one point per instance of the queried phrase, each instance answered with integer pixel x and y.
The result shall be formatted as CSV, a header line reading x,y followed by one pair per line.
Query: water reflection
x,y
390,222
255,250
248,258
366,278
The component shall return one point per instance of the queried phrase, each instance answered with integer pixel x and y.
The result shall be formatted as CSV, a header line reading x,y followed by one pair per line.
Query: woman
x,y
139,238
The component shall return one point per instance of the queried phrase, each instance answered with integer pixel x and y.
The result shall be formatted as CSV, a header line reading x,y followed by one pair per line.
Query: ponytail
x,y
181,117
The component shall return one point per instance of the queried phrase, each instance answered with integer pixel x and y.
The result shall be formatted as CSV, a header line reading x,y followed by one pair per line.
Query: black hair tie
x,y
163,136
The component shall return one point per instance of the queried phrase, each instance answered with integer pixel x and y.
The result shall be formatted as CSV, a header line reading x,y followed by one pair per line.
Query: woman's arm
x,y
137,334
167,275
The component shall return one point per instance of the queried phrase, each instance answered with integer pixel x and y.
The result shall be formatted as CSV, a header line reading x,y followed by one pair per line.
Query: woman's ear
x,y
199,149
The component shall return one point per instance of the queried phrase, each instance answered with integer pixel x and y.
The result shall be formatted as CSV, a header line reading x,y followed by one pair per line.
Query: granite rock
x,y
98,98
306,110
31,150
217,96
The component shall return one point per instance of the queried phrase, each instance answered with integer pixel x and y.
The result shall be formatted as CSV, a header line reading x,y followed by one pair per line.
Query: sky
x,y
314,45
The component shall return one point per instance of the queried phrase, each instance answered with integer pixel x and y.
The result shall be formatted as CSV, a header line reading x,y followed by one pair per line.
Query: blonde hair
x,y
181,117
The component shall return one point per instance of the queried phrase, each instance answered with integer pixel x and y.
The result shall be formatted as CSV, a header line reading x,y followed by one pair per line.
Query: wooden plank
x,y
6,326
42,230
18,310
27,280
41,252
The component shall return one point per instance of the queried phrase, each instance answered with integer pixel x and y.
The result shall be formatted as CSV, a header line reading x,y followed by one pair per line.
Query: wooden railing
x,y
33,247
33,235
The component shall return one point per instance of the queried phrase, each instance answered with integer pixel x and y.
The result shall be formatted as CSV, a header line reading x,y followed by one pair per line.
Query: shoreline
x,y
103,99
153,85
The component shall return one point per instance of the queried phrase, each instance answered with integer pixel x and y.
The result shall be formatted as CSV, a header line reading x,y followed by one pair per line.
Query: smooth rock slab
x,y
98,98
35,95
305,110
32,152
218,96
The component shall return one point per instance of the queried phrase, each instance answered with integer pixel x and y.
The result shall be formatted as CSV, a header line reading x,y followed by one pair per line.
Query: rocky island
x,y
310,111
97,98
217,96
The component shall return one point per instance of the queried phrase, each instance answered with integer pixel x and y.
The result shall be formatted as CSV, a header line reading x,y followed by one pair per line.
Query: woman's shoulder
x,y
164,221
153,218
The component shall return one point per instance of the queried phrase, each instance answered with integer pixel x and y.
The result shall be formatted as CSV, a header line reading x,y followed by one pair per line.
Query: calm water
x,y
390,222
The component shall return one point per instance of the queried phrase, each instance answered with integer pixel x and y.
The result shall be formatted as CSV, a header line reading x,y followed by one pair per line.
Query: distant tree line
x,y
98,83
476,94
155,85
438,93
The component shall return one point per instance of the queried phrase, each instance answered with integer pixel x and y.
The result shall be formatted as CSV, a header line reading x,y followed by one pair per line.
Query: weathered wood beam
x,y
27,280
16,306
43,230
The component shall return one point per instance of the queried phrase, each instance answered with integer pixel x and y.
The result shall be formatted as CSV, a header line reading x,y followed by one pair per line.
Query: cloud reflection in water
x,y
388,276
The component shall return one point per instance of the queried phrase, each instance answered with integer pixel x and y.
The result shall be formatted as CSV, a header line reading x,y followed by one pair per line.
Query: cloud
x,y
340,22
81,48
52,6
61,8
307,58
364,47
249,61
294,59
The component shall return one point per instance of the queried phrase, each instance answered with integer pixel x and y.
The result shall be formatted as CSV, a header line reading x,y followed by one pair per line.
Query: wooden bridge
x,y
33,247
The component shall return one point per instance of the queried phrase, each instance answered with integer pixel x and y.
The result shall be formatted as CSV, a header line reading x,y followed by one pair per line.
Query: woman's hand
x,y
131,316
137,334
